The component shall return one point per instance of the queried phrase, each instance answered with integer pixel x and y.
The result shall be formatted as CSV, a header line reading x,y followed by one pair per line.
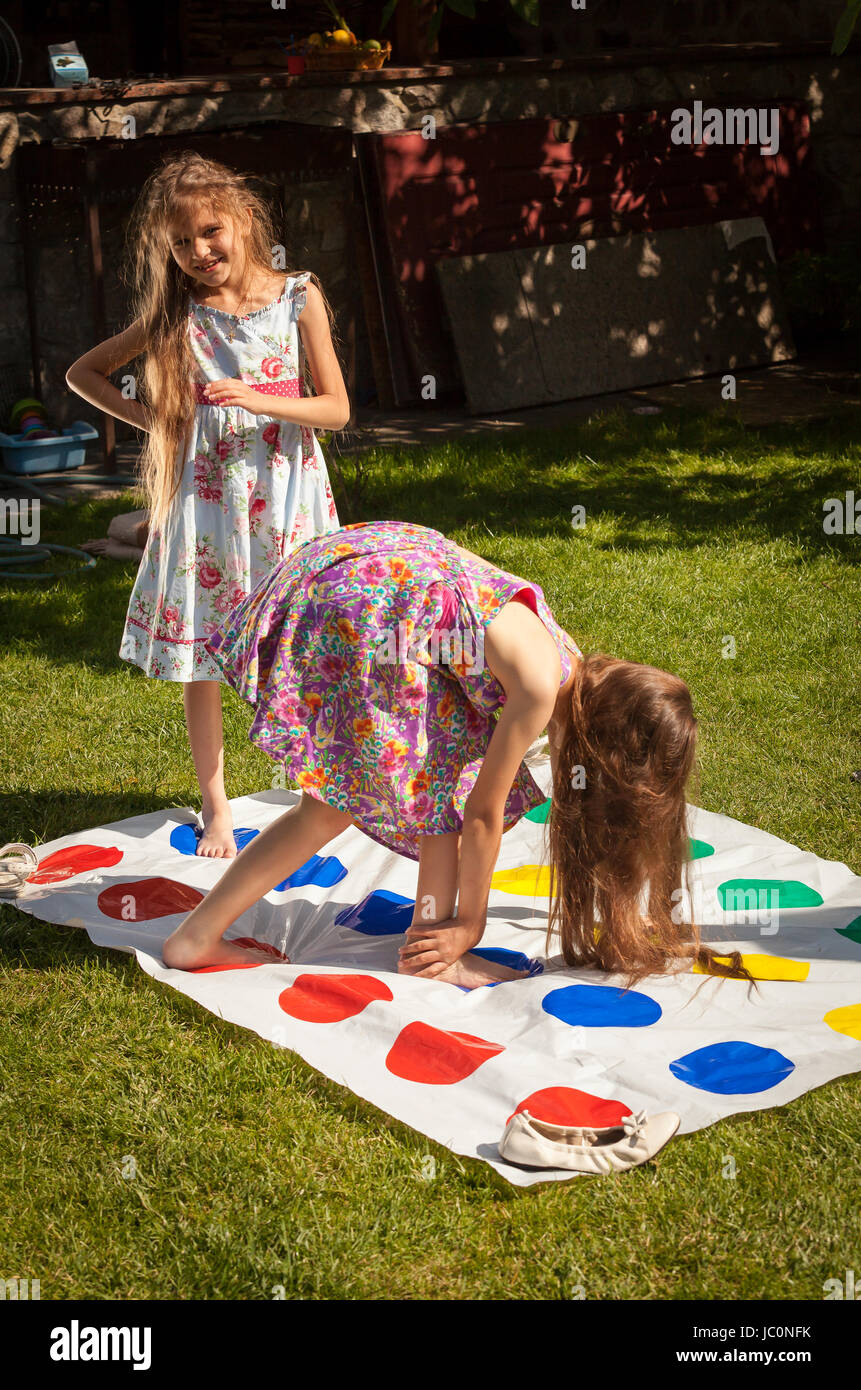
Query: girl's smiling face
x,y
208,247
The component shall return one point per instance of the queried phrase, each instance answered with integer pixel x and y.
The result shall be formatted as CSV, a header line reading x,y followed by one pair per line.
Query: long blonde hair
x,y
617,825
161,290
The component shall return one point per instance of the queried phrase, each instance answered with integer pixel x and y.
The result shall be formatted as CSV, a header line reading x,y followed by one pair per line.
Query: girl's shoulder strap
x,y
569,642
297,286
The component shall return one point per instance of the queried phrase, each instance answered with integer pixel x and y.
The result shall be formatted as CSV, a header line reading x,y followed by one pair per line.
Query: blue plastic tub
x,y
67,450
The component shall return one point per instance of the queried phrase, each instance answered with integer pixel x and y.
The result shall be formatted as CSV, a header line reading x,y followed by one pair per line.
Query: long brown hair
x,y
617,829
181,184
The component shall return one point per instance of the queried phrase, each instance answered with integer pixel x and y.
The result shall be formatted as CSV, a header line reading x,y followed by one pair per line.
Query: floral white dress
x,y
252,490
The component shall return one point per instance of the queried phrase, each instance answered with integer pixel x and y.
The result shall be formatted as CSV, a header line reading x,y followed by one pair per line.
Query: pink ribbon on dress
x,y
289,386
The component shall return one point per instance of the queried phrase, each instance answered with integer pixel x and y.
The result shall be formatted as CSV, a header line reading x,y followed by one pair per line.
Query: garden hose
x,y
16,553
28,484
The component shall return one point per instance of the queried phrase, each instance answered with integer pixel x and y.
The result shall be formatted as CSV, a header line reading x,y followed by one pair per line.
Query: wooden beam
x,y
97,285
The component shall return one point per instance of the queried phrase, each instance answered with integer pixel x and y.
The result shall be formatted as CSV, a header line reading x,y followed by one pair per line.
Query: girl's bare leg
x,y
273,855
126,538
202,700
127,527
436,893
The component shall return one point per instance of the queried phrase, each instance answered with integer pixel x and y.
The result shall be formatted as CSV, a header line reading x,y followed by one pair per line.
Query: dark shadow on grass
x,y
528,499
60,812
517,488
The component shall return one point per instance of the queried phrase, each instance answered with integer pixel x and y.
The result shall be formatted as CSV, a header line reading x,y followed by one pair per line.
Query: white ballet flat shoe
x,y
537,1144
17,862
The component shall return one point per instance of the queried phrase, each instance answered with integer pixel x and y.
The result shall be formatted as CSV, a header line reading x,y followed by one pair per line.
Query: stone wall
x,y
319,236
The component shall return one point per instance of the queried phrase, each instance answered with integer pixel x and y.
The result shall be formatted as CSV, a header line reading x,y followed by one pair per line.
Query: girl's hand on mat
x,y
430,950
231,391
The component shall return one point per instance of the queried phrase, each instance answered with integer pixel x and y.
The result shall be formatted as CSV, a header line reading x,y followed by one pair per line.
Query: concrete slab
x,y
649,307
791,391
813,389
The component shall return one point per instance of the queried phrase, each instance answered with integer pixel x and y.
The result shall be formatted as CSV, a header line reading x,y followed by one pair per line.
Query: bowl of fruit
x,y
341,50
338,49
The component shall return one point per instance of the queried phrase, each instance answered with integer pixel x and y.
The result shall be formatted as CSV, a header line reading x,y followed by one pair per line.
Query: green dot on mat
x,y
740,894
539,813
853,931
699,849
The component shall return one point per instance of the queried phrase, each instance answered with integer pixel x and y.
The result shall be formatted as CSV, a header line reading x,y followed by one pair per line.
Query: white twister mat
x,y
568,1045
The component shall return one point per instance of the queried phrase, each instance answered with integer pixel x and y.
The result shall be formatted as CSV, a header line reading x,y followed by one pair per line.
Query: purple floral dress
x,y
252,489
363,654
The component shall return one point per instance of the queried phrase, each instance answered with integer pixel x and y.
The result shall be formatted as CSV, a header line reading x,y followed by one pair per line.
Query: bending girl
x,y
400,680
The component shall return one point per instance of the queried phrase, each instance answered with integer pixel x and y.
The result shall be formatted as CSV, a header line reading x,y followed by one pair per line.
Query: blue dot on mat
x,y
185,837
322,872
732,1068
379,914
601,1006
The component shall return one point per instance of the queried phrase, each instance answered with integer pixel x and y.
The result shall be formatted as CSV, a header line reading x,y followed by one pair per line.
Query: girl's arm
x,y
329,408
89,376
523,657
430,949
522,718
525,661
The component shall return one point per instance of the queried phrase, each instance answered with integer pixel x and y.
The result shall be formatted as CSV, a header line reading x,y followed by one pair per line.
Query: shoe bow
x,y
634,1125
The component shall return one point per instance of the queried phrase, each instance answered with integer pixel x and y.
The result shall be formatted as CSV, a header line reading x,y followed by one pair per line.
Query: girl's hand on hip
x,y
428,950
231,391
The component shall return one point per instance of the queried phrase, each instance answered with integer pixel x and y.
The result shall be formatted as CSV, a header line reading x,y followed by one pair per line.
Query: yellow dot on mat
x,y
766,967
846,1020
528,881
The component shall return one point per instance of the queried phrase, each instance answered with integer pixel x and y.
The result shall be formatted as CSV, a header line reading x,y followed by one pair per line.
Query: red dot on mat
x,y
330,998
437,1058
146,898
562,1105
74,859
263,947
213,969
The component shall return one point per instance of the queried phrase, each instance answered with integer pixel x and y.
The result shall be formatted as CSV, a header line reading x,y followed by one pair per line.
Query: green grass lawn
x,y
252,1170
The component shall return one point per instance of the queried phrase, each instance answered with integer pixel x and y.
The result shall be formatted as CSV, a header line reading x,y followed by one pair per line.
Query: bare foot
x,y
188,954
472,971
217,840
112,549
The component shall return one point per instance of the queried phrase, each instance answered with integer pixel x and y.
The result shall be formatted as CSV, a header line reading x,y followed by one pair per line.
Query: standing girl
x,y
234,476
